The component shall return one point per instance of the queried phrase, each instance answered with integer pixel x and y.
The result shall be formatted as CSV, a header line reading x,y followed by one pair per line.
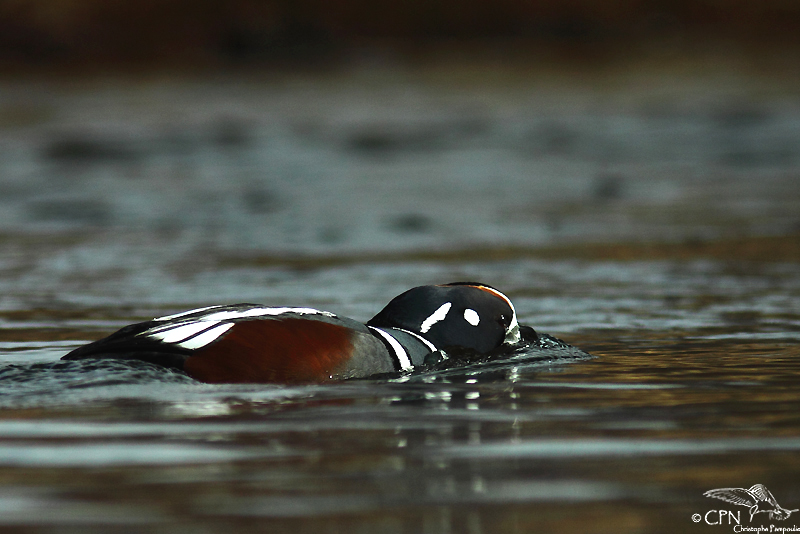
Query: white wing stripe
x,y
196,332
226,315
399,351
206,337
260,312
179,333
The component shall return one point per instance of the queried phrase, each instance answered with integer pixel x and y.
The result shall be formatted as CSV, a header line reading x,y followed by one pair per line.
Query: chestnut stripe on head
x,y
512,332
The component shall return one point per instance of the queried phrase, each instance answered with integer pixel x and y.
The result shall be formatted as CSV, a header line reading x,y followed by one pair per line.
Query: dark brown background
x,y
210,33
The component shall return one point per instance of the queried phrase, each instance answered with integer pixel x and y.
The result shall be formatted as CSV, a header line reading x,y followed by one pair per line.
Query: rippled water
x,y
120,204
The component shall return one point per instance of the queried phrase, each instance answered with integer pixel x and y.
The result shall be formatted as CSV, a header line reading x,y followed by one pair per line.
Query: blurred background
x,y
214,33
296,128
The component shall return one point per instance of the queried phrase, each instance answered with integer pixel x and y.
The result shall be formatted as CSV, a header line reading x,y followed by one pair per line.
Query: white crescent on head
x,y
435,317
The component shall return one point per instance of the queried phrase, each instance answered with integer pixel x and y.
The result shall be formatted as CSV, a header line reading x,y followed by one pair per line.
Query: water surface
x,y
657,232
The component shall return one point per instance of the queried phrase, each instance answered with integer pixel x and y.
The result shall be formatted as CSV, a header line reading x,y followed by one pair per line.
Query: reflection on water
x,y
123,202
694,387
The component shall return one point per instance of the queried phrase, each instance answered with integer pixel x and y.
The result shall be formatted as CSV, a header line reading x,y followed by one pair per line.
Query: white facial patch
x,y
512,334
435,317
472,317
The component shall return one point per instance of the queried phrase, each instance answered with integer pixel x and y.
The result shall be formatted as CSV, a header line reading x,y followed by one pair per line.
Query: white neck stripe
x,y
399,352
427,343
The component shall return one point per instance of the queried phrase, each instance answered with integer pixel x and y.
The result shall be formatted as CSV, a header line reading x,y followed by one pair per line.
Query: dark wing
x,y
739,496
760,492
128,343
249,343
171,339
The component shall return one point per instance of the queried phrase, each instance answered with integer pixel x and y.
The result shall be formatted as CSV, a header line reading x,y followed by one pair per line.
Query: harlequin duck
x,y
259,344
